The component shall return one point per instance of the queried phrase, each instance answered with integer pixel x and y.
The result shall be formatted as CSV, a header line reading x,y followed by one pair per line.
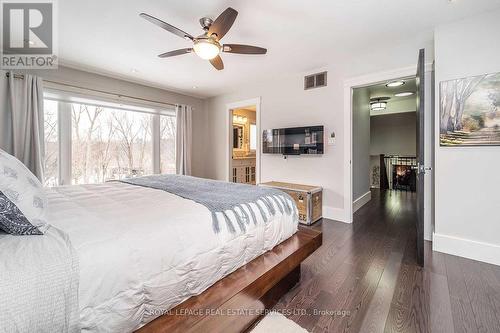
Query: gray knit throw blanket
x,y
223,197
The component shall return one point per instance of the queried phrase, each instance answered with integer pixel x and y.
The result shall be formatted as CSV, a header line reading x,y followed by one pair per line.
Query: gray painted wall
x,y
95,81
360,142
393,134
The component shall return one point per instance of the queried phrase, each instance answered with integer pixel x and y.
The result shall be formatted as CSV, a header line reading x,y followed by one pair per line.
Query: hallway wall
x,y
394,134
360,143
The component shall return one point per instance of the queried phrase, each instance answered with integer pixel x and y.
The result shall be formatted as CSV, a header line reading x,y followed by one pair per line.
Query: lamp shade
x,y
206,48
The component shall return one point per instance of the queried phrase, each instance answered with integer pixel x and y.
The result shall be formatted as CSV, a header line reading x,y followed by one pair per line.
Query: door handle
x,y
421,168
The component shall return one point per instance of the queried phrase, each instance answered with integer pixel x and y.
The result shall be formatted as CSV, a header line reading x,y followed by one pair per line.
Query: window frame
x,y
66,97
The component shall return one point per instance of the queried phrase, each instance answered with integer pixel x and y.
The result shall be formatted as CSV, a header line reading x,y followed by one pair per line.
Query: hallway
x,y
365,279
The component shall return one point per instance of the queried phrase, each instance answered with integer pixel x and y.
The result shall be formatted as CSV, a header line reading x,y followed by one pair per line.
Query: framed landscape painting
x,y
470,111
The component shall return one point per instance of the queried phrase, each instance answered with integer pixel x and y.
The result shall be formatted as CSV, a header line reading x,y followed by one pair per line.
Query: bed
x,y
143,252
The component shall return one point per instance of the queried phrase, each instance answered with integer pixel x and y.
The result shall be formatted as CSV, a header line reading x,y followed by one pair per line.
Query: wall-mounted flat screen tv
x,y
293,141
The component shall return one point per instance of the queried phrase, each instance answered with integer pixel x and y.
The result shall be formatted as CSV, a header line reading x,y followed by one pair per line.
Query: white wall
x,y
467,180
360,142
100,82
285,103
394,134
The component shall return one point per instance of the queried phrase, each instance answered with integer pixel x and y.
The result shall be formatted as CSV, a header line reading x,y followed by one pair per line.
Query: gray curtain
x,y
25,110
183,139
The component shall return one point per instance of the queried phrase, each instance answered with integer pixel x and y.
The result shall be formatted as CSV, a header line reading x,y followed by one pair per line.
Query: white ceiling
x,y
109,37
381,90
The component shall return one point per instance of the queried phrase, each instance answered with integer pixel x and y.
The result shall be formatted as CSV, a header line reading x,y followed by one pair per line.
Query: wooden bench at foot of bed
x,y
238,300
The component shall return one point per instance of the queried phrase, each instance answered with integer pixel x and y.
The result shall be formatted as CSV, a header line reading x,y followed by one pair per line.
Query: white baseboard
x,y
489,253
333,213
361,201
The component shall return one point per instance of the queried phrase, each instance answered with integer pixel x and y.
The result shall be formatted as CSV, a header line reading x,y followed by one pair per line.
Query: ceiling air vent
x,y
315,81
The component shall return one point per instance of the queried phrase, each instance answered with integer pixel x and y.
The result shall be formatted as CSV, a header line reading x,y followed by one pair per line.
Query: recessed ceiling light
x,y
133,70
195,87
404,94
395,84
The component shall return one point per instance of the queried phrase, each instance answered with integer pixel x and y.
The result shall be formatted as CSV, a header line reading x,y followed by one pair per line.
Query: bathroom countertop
x,y
244,157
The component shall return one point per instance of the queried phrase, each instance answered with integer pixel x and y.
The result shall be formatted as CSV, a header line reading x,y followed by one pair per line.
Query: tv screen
x,y
294,141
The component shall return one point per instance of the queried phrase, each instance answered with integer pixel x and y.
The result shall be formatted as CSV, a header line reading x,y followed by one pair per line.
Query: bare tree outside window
x,y
107,143
133,156
167,144
51,143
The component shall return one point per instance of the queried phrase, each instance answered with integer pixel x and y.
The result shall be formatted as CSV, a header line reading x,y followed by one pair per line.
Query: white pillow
x,y
23,202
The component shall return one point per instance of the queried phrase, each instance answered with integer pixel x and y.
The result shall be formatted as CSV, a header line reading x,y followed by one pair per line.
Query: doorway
x,y
384,138
403,173
243,144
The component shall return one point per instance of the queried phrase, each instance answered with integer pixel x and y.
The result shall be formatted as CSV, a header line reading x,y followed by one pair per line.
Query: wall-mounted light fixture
x,y
239,119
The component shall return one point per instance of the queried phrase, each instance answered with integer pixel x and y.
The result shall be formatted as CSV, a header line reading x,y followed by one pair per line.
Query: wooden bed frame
x,y
234,303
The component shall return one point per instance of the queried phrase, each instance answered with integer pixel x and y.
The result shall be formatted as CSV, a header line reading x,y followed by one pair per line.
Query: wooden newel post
x,y
384,181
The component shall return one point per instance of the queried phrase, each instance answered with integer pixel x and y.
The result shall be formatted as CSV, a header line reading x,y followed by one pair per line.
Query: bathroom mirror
x,y
238,136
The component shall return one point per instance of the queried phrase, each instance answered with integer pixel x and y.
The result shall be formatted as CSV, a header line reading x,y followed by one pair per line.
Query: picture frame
x,y
470,111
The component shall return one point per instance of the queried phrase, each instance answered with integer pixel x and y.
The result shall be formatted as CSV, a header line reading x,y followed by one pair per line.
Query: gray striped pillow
x,y
23,202
13,221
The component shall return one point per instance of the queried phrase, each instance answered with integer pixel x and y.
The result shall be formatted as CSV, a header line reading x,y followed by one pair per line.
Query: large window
x,y
105,142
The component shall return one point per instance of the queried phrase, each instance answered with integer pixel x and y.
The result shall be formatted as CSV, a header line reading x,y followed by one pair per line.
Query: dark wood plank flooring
x,y
365,279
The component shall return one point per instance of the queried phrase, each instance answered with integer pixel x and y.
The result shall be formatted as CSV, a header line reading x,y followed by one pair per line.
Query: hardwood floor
x,y
365,279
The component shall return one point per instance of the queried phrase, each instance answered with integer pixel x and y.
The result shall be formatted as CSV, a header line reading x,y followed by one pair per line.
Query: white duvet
x,y
142,251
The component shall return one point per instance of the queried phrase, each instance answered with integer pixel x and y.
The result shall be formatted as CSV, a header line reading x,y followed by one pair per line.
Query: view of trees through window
x,y
108,144
51,135
167,144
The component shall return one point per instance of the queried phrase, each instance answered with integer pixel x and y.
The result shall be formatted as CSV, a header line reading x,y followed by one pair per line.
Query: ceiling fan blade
x,y
175,53
217,63
223,23
243,49
166,26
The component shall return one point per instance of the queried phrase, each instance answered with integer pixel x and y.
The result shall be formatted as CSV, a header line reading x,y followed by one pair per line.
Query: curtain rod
x,y
21,76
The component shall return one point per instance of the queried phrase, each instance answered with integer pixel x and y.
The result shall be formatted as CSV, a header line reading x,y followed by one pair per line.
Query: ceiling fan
x,y
207,45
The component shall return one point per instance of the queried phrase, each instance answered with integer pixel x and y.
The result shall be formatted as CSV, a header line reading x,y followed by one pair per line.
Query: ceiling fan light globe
x,y
206,49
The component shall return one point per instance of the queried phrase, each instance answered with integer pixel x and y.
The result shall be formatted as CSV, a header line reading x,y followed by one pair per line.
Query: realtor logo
x,y
28,32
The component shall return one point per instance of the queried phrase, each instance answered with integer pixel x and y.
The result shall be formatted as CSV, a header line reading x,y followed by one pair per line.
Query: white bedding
x,y
142,251
38,283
